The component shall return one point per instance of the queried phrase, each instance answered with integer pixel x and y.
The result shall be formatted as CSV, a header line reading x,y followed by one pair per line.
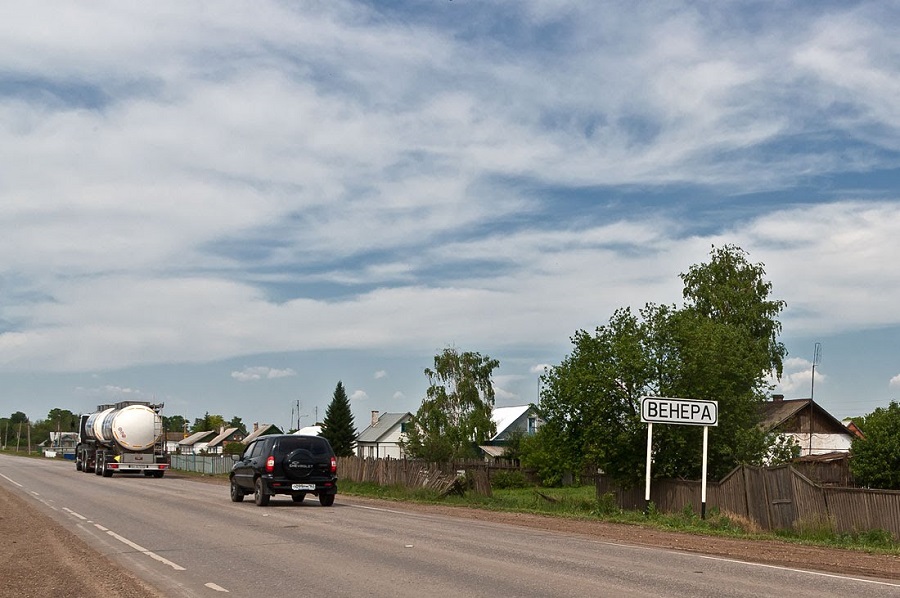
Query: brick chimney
x,y
777,398
374,417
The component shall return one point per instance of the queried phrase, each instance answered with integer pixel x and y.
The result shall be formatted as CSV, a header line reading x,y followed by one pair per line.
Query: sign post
x,y
685,412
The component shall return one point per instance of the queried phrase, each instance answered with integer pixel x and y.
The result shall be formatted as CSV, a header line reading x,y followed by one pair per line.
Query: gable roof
x,y
386,422
315,430
195,438
222,437
504,417
262,430
775,413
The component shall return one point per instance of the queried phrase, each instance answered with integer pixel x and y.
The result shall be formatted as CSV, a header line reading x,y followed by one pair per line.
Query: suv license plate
x,y
303,486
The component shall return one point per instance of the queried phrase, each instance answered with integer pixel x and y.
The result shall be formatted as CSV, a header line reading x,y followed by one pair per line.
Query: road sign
x,y
691,412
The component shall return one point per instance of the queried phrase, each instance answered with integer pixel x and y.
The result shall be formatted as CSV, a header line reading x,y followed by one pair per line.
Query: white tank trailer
x,y
124,437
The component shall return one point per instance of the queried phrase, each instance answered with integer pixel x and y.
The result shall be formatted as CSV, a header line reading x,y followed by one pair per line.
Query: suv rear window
x,y
316,446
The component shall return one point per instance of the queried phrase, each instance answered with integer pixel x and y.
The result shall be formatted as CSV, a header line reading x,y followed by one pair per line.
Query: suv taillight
x,y
333,465
270,464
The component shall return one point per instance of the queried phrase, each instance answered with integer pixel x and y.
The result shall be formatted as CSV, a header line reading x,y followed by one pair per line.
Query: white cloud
x,y
380,374
796,381
895,382
252,374
358,396
233,193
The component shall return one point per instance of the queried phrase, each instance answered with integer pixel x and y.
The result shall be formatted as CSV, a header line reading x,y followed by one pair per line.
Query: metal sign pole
x,y
703,480
649,460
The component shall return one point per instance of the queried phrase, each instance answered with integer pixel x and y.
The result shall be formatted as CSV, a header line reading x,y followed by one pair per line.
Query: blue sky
x,y
230,209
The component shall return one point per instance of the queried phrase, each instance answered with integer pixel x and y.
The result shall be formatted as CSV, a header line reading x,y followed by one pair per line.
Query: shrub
x,y
509,479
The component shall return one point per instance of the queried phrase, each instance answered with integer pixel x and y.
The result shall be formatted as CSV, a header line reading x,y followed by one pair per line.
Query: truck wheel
x,y
98,464
259,495
237,495
106,472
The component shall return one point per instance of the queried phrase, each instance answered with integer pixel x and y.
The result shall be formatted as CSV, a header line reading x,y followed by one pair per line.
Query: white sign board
x,y
664,410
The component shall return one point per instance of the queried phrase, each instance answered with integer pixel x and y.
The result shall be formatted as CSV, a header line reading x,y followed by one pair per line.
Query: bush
x,y
509,479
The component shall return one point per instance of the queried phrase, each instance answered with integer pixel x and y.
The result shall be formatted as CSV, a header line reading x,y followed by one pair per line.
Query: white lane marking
x,y
128,542
217,588
379,509
11,481
74,514
702,556
143,550
817,573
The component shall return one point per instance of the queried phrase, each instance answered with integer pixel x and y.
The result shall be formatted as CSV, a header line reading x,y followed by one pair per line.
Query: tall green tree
x,y
338,426
455,415
238,423
732,291
721,345
208,423
175,423
63,420
876,458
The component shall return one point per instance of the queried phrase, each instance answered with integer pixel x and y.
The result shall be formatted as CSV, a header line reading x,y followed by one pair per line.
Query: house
x,y
172,440
193,444
261,430
60,443
522,418
510,420
384,437
315,430
216,446
814,429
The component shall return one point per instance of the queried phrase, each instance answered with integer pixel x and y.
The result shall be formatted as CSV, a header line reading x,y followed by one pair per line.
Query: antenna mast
x,y
817,359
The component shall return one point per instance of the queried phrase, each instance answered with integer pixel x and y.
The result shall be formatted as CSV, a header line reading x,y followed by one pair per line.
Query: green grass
x,y
582,503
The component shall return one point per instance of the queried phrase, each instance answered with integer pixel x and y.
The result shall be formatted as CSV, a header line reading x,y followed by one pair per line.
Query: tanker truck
x,y
123,437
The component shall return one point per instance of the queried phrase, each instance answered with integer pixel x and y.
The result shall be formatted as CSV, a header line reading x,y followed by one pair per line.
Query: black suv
x,y
285,464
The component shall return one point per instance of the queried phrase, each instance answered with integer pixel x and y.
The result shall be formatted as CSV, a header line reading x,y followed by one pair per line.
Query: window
x,y
532,425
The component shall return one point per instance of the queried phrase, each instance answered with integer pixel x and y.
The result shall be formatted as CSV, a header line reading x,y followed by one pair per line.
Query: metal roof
x,y
386,422
494,451
195,438
261,431
504,417
222,437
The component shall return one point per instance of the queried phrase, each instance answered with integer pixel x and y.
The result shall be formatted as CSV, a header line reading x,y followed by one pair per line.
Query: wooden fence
x,y
416,474
775,498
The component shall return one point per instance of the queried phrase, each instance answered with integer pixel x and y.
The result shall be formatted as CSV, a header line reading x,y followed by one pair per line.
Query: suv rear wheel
x,y
237,495
259,493
326,500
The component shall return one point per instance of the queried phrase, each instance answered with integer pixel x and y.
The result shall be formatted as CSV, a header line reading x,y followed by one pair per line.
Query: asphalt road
x,y
187,539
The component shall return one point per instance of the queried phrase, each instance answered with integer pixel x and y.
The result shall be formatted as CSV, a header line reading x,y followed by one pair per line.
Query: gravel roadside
x,y
39,558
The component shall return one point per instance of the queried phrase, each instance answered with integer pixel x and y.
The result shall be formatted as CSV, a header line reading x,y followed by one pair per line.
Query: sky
x,y
229,207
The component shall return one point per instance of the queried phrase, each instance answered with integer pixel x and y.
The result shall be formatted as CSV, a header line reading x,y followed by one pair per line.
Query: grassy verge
x,y
582,503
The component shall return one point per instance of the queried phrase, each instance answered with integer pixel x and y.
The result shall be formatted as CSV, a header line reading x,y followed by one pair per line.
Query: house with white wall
x,y
816,431
510,420
384,437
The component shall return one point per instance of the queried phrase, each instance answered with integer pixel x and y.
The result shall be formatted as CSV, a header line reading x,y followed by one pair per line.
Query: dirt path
x,y
38,557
